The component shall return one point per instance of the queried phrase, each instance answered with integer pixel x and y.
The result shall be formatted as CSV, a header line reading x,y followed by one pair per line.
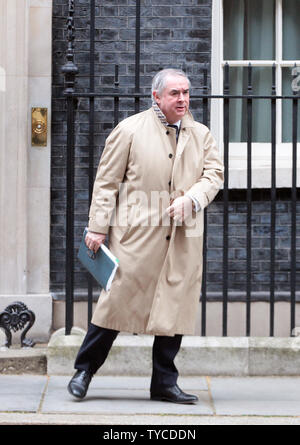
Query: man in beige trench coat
x,y
158,171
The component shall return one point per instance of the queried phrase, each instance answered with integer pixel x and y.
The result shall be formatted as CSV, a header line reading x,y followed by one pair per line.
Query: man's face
x,y
174,99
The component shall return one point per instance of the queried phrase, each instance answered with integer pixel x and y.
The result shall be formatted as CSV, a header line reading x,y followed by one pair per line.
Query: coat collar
x,y
186,122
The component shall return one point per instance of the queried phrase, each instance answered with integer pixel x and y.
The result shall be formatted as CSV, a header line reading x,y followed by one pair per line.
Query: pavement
x,y
120,400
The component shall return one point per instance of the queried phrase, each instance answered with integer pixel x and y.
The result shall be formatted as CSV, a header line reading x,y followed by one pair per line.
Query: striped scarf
x,y
160,114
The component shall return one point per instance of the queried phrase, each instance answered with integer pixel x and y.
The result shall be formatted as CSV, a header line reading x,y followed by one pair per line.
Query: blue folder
x,y
102,264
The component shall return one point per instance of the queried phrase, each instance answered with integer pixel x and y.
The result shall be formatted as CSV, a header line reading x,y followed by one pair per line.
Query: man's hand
x,y
94,240
180,208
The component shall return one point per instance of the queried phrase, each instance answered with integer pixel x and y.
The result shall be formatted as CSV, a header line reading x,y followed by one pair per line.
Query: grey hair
x,y
159,80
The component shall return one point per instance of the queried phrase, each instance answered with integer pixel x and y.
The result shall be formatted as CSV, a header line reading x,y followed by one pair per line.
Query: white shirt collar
x,y
177,123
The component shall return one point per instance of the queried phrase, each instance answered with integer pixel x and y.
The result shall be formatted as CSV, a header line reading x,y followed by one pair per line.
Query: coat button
x,y
169,183
167,132
170,155
168,238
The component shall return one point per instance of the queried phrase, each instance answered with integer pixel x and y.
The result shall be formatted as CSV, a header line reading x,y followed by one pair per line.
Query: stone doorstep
x,y
227,356
132,355
17,360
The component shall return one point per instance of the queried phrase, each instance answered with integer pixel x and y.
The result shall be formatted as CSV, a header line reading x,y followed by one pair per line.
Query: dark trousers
x,y
98,341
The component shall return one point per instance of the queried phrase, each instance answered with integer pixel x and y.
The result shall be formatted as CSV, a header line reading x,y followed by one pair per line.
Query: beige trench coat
x,y
157,287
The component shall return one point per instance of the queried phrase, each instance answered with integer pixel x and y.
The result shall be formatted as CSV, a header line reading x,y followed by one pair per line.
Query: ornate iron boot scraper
x,y
14,318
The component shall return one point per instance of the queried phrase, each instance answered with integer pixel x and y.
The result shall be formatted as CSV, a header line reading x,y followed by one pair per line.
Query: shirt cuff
x,y
195,201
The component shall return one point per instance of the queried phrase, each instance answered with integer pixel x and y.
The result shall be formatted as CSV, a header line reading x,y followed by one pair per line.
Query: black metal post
x,y
293,212
225,197
91,137
70,217
116,98
273,201
137,53
204,281
249,201
70,70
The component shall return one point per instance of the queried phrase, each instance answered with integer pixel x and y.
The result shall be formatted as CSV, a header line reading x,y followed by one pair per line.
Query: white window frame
x,y
261,152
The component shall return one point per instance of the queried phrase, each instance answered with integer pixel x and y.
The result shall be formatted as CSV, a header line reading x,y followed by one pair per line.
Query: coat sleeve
x,y
110,175
212,178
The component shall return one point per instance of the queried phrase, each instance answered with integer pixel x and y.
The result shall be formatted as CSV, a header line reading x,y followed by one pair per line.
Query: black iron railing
x,y
70,70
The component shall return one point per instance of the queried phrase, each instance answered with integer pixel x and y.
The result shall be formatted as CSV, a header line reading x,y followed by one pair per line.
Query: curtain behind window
x,y
291,51
249,34
249,29
291,33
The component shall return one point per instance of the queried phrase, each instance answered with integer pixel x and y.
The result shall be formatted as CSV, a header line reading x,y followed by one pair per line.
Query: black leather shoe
x,y
79,384
173,394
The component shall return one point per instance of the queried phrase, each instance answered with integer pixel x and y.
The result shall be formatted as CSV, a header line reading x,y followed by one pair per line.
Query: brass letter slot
x,y
39,127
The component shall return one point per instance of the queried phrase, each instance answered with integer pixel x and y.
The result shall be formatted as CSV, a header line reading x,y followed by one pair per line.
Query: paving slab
x,y
21,393
139,419
123,395
222,400
259,396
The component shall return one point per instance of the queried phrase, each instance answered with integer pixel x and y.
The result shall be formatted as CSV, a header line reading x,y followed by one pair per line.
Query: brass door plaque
x,y
39,127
